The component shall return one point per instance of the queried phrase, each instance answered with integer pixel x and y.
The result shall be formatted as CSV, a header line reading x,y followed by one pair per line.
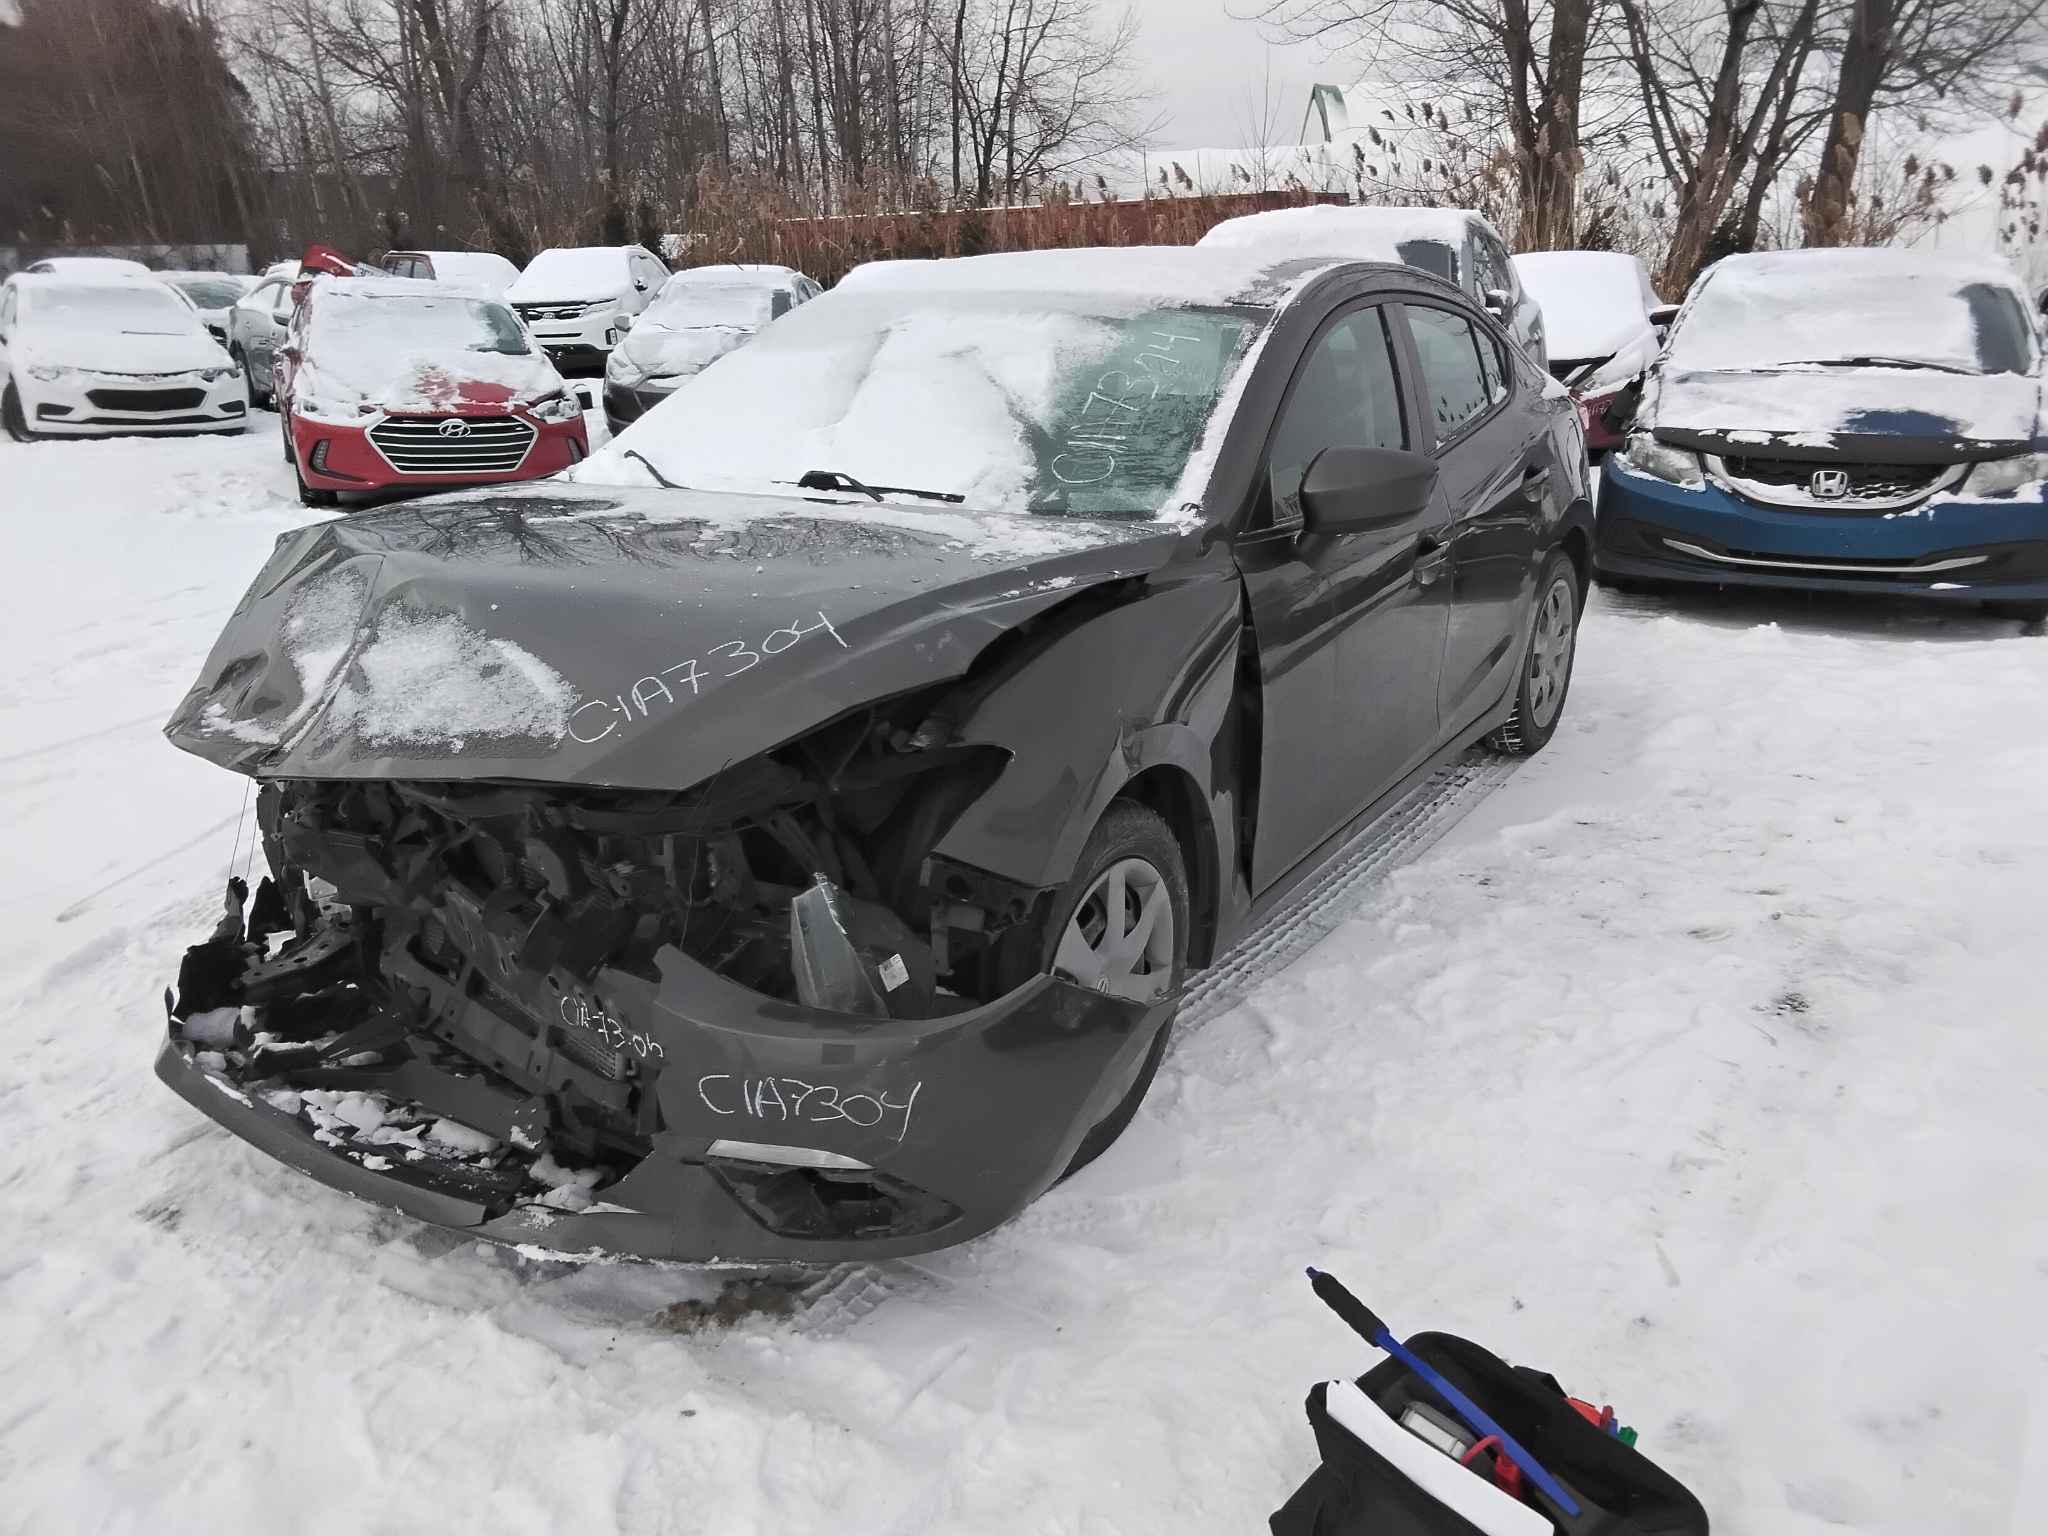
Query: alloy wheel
x,y
1120,939
1550,651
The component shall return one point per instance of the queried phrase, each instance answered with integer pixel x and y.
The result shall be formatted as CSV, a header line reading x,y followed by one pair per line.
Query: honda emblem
x,y
459,428
1829,484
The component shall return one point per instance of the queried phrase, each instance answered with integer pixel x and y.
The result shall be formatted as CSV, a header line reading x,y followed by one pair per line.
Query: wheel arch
x,y
1169,791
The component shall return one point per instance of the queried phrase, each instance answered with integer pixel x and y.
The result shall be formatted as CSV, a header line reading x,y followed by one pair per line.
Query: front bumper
x,y
336,457
950,1125
104,405
624,405
1952,549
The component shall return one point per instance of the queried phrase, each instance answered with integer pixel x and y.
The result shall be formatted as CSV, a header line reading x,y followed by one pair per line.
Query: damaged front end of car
x,y
757,1019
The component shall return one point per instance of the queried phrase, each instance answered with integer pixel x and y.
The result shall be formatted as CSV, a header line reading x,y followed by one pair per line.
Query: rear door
x,y
1495,479
1350,629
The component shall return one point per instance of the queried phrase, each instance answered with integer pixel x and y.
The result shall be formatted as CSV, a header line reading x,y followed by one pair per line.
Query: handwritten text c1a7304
x,y
595,719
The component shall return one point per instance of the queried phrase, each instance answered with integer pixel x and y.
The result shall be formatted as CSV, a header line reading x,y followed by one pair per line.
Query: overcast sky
x,y
1208,72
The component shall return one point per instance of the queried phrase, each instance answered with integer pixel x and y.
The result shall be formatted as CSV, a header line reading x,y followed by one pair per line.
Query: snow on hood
x,y
1593,301
115,353
410,346
572,272
1956,410
656,349
635,639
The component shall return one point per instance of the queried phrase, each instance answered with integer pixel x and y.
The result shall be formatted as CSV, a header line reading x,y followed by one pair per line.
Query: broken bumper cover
x,y
785,1133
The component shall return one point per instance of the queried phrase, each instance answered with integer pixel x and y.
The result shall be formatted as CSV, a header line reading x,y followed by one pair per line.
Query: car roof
x,y
1171,275
1832,263
1329,229
400,288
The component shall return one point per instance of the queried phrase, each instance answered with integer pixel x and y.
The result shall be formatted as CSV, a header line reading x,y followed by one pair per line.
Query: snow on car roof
x,y
384,287
1323,229
571,272
1130,276
762,272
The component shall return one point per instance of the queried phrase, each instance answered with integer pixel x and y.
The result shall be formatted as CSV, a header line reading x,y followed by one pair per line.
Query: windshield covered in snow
x,y
424,323
741,306
137,309
209,291
1876,309
1063,404
574,272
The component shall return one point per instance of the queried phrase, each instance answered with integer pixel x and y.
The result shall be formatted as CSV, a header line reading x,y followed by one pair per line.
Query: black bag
x,y
1360,1490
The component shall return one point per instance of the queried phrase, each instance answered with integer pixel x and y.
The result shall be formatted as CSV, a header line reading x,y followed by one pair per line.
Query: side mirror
x,y
622,323
639,286
1661,316
1499,303
1357,490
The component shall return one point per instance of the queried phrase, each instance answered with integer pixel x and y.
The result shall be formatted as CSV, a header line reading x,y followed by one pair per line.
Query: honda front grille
x,y
1832,485
453,445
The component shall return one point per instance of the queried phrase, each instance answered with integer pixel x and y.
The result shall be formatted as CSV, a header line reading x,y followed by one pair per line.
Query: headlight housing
x,y
556,407
2002,477
224,371
49,373
1660,461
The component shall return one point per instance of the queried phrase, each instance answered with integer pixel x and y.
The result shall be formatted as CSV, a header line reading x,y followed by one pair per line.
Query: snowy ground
x,y
1705,1064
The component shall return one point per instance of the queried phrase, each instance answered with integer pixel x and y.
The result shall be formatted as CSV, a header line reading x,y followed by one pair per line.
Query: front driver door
x,y
1493,457
1349,629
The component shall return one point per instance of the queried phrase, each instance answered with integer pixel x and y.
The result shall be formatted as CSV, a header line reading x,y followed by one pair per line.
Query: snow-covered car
x,y
698,316
390,384
95,356
1604,325
1457,244
88,267
579,300
485,271
787,836
213,294
256,325
1851,420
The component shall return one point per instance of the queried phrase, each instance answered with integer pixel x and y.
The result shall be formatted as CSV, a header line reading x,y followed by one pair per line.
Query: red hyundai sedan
x,y
388,384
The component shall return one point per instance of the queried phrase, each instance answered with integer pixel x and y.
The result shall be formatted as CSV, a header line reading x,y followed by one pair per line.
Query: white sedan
x,y
82,358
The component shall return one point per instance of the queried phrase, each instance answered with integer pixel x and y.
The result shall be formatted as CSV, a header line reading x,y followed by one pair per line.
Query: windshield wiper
x,y
839,480
1879,362
648,464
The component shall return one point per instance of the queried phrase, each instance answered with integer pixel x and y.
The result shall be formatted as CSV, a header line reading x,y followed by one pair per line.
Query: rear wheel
x,y
11,414
1119,926
1547,665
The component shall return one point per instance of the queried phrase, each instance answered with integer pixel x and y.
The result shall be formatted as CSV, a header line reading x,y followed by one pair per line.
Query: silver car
x,y
256,325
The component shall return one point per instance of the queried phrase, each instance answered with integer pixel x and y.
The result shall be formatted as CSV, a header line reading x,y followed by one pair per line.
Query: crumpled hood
x,y
628,639
656,349
1917,413
141,352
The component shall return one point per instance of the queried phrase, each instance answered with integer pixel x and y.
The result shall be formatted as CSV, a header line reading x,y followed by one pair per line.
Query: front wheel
x,y
311,497
1119,926
11,414
2025,612
1547,665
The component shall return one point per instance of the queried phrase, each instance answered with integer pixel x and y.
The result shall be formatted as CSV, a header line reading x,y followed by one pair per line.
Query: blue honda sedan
x,y
1841,420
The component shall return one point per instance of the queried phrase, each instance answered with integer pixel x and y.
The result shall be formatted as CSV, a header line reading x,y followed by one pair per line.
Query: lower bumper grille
x,y
145,399
453,445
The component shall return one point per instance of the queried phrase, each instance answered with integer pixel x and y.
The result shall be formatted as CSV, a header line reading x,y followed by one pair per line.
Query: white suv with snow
x,y
578,300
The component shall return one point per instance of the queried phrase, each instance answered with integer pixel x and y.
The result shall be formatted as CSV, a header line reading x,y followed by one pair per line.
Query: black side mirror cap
x,y
1499,302
1357,490
1620,414
1661,315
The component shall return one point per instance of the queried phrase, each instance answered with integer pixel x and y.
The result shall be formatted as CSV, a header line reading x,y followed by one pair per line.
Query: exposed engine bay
x,y
437,949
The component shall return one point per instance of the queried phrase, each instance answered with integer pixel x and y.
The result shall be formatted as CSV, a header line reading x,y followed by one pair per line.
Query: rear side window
x,y
1346,395
1453,377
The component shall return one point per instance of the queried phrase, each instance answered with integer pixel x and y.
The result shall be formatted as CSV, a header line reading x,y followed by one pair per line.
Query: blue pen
x,y
1367,1324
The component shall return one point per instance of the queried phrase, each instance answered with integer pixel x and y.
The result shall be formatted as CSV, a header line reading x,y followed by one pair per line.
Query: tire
x,y
2025,612
11,413
241,361
1546,676
284,427
1128,835
309,497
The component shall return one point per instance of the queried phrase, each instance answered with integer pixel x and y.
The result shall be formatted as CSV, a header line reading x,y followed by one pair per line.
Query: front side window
x,y
1454,380
1346,394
